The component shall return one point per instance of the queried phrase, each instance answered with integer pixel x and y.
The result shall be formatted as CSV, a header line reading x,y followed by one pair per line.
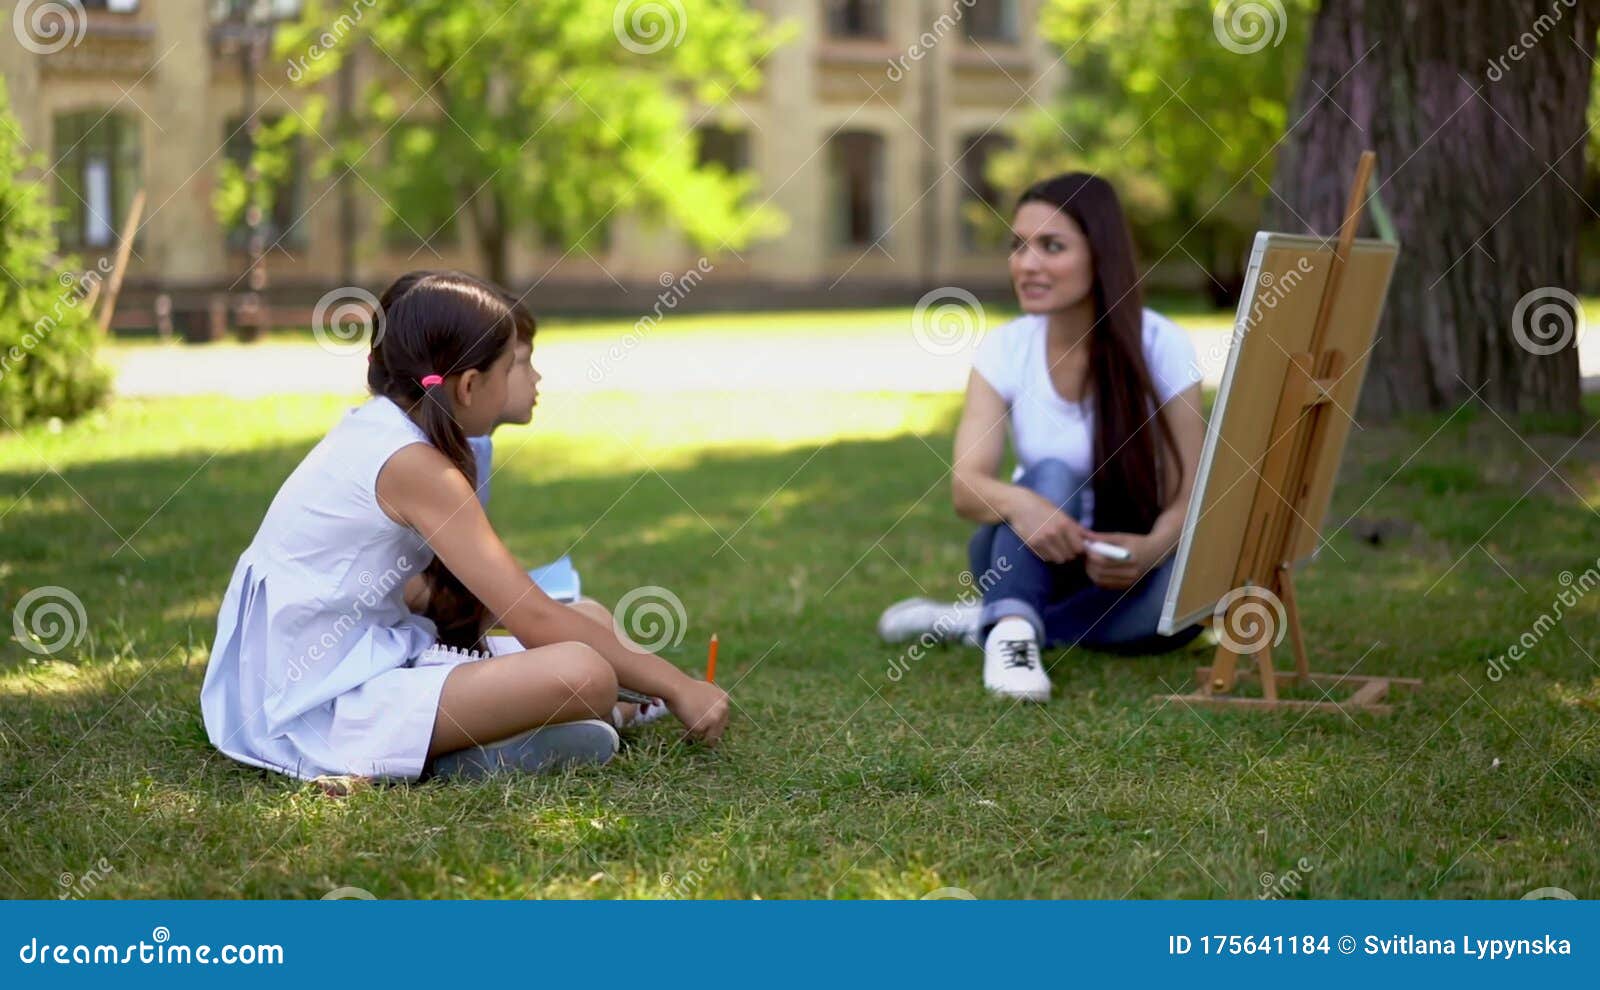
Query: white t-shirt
x,y
1043,424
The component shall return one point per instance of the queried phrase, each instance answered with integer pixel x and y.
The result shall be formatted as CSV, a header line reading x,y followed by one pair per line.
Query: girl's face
x,y
1051,266
480,396
522,387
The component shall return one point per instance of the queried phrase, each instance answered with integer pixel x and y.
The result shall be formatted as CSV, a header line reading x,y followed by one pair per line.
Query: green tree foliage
x,y
1180,103
47,337
543,120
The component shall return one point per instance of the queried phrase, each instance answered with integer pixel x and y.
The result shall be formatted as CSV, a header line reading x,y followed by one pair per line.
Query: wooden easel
x,y
1277,519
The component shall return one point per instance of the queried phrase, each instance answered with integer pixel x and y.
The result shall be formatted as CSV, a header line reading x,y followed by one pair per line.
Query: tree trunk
x,y
1476,109
489,228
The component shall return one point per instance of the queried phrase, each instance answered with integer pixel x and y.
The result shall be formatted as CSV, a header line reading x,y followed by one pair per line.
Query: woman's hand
x,y
1047,531
703,709
1118,574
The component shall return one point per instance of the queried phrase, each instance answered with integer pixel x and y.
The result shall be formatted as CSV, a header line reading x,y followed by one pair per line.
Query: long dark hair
x,y
439,323
1131,485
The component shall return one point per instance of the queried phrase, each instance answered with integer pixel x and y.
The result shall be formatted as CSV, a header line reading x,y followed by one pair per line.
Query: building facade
x,y
869,133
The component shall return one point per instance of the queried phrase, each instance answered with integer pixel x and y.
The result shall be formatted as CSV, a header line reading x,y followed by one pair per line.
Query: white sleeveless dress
x,y
318,666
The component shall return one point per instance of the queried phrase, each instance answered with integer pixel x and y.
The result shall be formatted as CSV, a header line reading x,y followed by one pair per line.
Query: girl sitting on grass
x,y
459,620
320,667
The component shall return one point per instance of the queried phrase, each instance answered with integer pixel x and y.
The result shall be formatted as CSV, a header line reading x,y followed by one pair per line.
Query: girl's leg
x,y
594,610
1018,581
487,700
1117,621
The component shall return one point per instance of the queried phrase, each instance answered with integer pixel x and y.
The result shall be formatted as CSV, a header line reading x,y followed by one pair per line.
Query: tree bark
x,y
1476,109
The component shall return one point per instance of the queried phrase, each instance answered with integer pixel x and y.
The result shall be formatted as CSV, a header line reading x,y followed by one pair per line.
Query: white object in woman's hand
x,y
1110,550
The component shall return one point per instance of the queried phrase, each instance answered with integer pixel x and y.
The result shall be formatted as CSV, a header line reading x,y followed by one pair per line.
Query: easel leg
x,y
1291,612
1224,671
1269,678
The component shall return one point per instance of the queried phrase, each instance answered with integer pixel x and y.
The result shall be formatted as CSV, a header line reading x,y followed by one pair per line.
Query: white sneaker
x,y
1011,665
913,617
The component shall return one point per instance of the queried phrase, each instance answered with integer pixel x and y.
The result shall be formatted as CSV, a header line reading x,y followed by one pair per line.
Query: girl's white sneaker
x,y
1011,664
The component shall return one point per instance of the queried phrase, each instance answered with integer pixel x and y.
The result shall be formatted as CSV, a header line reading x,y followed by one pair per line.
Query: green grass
x,y
835,780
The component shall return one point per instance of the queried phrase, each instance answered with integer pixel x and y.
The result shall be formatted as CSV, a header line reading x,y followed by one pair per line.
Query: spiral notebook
x,y
558,579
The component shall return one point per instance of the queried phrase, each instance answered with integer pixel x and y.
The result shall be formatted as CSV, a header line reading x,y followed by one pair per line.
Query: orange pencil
x,y
711,661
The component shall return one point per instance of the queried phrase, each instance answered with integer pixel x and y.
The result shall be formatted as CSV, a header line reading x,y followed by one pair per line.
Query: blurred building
x,y
869,138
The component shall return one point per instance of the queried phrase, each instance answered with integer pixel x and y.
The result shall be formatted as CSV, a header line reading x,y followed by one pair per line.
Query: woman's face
x,y
1051,267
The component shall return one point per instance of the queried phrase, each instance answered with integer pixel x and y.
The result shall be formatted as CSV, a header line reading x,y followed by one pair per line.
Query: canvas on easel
x,y
1302,338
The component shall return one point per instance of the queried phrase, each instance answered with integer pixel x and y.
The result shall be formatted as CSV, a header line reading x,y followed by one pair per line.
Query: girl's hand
x,y
1118,574
702,708
1047,531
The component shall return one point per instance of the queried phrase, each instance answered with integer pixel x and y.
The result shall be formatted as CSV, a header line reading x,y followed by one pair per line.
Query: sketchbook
x,y
559,580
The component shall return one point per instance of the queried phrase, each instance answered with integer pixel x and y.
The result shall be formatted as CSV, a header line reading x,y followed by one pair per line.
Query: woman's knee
x,y
1053,479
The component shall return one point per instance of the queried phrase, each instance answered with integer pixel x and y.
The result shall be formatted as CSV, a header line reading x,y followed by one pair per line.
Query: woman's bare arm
x,y
1185,418
983,498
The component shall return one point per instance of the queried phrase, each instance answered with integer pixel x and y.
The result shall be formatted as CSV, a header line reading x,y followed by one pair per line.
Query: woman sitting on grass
x,y
320,668
1102,399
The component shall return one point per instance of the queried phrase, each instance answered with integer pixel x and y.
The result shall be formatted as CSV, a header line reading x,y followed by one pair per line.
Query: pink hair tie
x,y
428,381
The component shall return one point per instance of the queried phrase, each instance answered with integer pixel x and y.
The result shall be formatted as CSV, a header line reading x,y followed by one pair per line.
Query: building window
x,y
981,228
284,224
858,196
725,147
97,174
239,10
856,19
993,20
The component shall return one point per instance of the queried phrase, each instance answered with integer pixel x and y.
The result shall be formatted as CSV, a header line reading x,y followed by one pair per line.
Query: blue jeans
x,y
1063,605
